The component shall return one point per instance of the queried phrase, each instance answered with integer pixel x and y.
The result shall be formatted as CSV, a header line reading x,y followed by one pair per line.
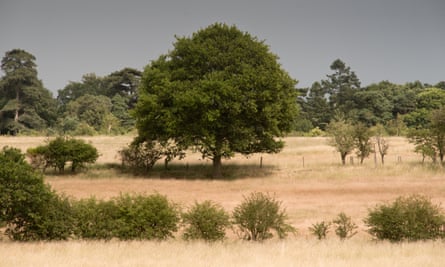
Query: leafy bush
x,y
95,219
145,217
320,229
407,218
30,209
344,227
60,151
258,214
206,221
140,156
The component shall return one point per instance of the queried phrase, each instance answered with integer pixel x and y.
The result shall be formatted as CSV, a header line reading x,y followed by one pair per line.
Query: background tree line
x,y
102,105
95,105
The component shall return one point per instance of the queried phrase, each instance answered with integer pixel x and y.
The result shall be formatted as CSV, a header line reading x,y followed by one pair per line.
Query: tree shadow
x,y
202,171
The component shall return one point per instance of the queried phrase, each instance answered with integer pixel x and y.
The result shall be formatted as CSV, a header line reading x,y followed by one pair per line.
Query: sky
x,y
396,40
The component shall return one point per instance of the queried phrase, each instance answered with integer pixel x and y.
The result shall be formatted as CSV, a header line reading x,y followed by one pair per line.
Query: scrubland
x,y
306,177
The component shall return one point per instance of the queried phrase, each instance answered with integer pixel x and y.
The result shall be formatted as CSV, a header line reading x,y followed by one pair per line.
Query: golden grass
x,y
307,177
299,252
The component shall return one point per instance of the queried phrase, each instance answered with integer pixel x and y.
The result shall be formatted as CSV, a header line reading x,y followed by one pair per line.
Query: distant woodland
x,y
103,105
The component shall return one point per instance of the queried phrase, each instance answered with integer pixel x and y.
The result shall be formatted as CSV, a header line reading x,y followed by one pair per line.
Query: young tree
x,y
342,137
380,140
362,141
220,90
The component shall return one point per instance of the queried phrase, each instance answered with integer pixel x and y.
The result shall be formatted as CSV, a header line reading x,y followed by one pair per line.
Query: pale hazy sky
x,y
396,40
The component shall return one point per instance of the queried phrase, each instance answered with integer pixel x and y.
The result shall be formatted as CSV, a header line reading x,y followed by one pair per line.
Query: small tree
x,y
344,226
258,215
206,221
381,141
62,150
362,141
342,137
320,229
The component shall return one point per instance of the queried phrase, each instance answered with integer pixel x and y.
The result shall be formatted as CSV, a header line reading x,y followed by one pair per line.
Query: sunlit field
x,y
306,177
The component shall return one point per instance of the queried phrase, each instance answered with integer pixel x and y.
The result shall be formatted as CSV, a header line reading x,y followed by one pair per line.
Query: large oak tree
x,y
221,91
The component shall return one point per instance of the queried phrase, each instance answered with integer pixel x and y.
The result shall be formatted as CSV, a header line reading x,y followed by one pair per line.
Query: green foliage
x,y
342,137
258,215
344,226
24,103
429,137
58,152
409,218
221,91
320,229
127,217
29,208
145,217
362,141
140,157
341,87
95,219
207,221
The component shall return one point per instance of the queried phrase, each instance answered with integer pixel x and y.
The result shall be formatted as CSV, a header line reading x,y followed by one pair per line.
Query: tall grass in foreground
x,y
331,252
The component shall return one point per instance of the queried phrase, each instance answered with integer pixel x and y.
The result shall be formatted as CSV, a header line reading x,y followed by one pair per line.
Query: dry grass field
x,y
307,177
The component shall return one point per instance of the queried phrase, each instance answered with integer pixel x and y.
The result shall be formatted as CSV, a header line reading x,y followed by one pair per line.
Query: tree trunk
x,y
217,167
343,158
17,107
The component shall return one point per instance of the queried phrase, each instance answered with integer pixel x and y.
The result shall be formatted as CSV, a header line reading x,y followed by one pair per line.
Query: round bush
x,y
409,218
207,221
145,217
28,207
258,215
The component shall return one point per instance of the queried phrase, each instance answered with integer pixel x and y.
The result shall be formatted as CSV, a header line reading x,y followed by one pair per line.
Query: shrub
x,y
140,156
344,227
409,218
258,215
28,207
320,229
145,217
95,219
62,150
206,221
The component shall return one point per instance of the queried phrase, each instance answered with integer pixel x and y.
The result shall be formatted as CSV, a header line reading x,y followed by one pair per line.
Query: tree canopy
x,y
220,90
24,102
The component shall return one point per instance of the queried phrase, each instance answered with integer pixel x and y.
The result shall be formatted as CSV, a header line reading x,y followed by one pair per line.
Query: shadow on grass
x,y
174,171
201,171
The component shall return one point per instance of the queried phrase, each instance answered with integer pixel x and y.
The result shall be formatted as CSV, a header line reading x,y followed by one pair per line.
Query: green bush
x,y
140,157
258,215
28,207
344,226
60,151
320,229
409,218
95,219
145,217
207,221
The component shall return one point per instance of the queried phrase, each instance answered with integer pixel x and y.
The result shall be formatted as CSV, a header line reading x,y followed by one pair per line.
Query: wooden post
x,y
261,162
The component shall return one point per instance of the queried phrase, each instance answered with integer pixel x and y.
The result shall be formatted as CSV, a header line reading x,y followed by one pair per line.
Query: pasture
x,y
306,177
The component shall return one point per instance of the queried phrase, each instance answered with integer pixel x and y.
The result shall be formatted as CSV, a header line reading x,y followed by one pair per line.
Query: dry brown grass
x,y
317,191
332,253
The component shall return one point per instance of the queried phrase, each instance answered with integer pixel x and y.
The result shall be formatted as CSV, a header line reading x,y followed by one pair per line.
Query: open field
x,y
307,177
